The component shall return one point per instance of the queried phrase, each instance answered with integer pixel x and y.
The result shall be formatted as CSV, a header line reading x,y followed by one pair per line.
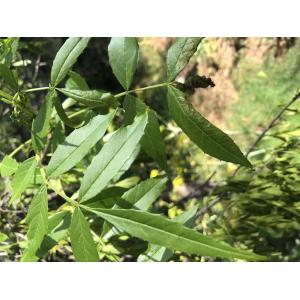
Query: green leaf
x,y
112,157
127,163
66,57
60,110
205,135
8,166
152,142
5,97
143,195
167,233
37,219
9,47
3,237
123,57
107,198
23,178
9,77
77,145
76,82
179,55
41,124
58,226
58,135
159,253
83,245
140,197
93,98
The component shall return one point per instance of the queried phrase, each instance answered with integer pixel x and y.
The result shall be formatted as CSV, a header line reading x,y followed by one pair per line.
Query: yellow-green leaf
x,y
83,245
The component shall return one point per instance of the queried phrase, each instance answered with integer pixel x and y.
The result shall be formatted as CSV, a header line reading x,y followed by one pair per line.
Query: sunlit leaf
x,y
8,166
37,219
77,145
167,233
83,245
115,152
23,178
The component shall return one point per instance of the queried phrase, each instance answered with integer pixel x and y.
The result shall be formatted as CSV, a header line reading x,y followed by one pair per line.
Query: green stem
x,y
37,89
150,87
6,100
19,148
53,187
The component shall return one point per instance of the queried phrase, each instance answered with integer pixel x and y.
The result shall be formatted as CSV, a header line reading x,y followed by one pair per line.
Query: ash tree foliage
x,y
113,151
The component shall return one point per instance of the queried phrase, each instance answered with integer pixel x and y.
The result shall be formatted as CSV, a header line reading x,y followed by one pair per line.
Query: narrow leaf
x,y
58,135
157,253
112,157
167,233
140,197
66,58
60,110
83,245
58,226
8,166
22,178
76,82
127,163
205,135
9,77
93,98
123,57
41,124
37,219
179,55
77,145
107,198
152,142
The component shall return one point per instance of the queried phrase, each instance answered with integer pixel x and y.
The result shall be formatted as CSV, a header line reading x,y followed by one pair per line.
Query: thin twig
x,y
273,122
36,68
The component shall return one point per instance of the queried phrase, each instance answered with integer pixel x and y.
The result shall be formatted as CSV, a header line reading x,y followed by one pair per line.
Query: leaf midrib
x,y
209,137
55,83
175,235
180,53
108,163
85,98
74,150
